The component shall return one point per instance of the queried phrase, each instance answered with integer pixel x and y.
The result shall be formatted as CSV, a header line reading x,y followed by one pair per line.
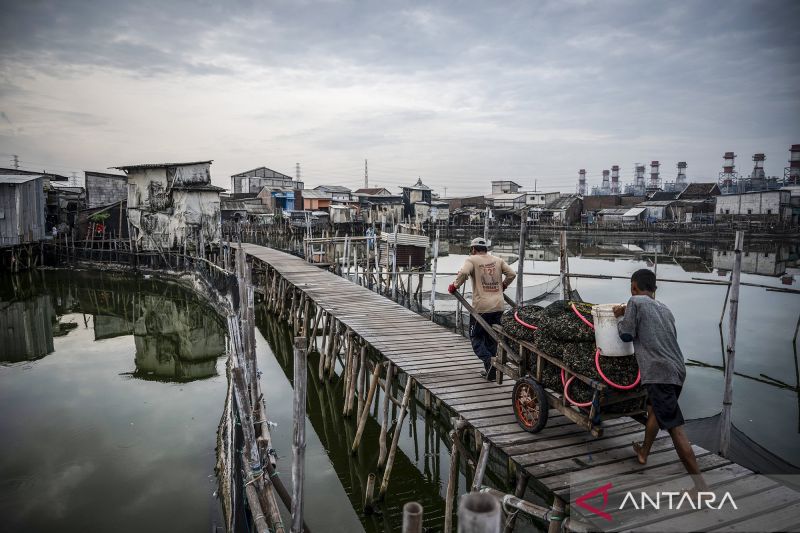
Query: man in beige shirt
x,y
490,276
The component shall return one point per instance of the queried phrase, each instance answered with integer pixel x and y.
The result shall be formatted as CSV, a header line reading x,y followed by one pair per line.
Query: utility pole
x,y
366,175
16,162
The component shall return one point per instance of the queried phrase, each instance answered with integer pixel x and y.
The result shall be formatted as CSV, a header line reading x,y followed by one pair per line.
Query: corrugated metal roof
x,y
14,179
634,212
160,165
316,194
332,188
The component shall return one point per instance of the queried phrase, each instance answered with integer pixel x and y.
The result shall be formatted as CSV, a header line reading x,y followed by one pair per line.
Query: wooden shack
x,y
410,249
22,209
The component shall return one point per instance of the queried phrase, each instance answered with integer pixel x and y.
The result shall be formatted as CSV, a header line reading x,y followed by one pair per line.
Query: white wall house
x,y
172,204
764,206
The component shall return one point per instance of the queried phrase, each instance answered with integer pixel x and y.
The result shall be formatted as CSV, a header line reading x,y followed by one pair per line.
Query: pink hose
x,y
620,387
518,319
582,317
597,361
566,392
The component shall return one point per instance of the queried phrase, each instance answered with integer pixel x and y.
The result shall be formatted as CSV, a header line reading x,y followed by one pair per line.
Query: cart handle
x,y
485,325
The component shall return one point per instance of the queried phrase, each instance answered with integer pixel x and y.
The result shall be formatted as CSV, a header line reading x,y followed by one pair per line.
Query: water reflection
x,y
175,335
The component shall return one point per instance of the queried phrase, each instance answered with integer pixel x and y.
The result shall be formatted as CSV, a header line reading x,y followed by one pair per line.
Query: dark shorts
x,y
664,400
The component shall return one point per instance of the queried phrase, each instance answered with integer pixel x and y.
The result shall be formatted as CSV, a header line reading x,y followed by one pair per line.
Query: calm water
x,y
112,389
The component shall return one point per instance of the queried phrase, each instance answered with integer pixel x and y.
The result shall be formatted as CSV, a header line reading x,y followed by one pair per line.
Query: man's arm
x,y
508,274
463,274
627,326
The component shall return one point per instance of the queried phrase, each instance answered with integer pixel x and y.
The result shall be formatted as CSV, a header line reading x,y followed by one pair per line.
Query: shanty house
x,y
505,186
380,206
314,200
337,193
172,204
22,209
565,210
104,189
417,193
540,199
761,206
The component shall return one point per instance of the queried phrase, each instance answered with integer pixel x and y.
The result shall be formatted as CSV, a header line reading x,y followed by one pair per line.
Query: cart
x,y
531,401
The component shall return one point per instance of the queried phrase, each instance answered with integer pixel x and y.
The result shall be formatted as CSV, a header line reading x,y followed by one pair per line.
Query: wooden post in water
x,y
479,512
433,276
368,495
387,383
412,518
299,431
519,492
365,413
727,399
480,469
523,229
396,437
394,263
452,482
486,225
566,290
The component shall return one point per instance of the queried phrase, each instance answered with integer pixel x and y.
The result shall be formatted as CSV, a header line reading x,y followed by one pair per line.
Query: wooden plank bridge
x,y
444,367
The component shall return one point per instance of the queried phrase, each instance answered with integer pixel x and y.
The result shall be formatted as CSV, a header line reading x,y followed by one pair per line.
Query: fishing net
x,y
563,335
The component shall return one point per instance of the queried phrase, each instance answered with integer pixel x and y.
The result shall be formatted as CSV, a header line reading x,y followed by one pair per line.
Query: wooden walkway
x,y
443,363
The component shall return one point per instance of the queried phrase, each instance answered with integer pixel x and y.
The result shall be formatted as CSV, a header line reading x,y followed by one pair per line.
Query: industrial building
x,y
253,181
172,204
771,207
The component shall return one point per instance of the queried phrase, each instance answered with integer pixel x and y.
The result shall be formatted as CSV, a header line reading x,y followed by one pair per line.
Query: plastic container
x,y
606,334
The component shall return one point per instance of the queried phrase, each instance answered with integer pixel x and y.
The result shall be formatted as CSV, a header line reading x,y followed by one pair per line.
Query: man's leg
x,y
642,449
684,449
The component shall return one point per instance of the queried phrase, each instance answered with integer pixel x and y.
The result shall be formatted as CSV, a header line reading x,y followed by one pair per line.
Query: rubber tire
x,y
533,388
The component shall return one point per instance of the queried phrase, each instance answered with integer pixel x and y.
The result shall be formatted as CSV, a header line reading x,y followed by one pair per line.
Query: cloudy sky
x,y
456,93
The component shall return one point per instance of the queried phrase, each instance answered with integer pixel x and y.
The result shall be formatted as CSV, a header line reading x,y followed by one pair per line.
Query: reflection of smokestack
x,y
680,181
615,179
605,187
728,175
582,182
655,179
792,172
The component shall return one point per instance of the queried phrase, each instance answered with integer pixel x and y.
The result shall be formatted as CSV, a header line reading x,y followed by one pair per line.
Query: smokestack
x,y
615,179
605,187
680,181
792,172
758,167
728,176
639,183
655,178
582,182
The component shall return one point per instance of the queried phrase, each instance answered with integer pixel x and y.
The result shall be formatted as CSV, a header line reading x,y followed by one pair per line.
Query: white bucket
x,y
606,334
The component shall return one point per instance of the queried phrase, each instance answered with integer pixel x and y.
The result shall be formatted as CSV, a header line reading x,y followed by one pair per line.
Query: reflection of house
x,y
22,209
170,204
103,189
415,194
27,328
765,263
174,343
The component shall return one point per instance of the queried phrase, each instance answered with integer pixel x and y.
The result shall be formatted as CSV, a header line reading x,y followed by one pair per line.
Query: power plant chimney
x,y
680,181
791,174
605,187
615,179
728,176
655,178
639,183
582,182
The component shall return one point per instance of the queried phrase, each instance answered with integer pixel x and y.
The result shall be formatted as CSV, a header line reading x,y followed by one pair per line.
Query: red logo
x,y
580,501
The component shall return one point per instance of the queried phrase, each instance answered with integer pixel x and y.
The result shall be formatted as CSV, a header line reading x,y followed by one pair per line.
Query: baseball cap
x,y
478,241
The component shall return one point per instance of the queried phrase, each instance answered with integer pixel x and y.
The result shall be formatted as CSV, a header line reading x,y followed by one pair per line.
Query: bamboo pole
x,y
521,265
362,373
479,513
433,278
727,400
519,492
368,494
452,483
385,420
412,518
365,413
299,432
480,469
396,437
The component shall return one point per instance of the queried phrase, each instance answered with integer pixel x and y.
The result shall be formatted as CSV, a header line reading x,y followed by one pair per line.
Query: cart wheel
x,y
530,405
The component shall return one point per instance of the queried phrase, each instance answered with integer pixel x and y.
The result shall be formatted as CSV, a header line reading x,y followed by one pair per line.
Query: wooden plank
x,y
783,519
